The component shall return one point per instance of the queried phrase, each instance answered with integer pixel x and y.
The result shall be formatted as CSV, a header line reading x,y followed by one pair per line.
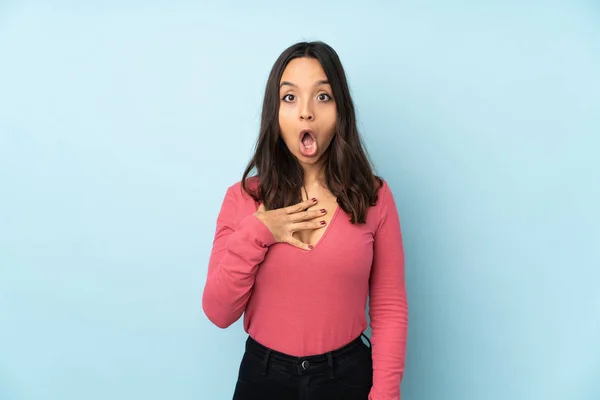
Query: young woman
x,y
302,243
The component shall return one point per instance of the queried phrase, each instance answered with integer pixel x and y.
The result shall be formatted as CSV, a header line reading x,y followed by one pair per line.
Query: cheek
x,y
328,140
285,115
330,127
329,137
331,117
286,111
285,124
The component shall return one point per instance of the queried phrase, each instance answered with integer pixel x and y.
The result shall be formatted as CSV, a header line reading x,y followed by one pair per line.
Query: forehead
x,y
304,72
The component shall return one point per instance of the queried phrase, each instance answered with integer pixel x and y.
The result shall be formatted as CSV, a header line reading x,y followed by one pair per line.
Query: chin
x,y
308,160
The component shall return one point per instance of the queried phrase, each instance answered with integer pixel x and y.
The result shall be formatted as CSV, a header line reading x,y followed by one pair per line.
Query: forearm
x,y
234,261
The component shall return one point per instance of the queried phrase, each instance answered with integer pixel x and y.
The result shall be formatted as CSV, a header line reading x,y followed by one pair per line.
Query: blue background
x,y
122,124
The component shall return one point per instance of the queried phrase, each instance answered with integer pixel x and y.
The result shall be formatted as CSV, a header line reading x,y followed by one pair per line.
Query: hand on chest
x,y
314,236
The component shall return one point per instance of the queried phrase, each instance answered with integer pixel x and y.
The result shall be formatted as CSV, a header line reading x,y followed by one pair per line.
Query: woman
x,y
300,246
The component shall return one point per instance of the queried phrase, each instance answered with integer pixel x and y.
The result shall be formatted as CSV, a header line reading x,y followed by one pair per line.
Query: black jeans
x,y
343,374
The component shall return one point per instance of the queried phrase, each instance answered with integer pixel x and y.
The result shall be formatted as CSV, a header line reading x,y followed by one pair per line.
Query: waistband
x,y
311,363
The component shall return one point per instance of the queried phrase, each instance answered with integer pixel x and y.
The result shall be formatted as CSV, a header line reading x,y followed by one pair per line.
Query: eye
x,y
324,97
288,97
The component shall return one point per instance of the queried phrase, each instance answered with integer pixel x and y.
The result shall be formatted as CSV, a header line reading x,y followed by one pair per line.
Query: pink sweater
x,y
310,302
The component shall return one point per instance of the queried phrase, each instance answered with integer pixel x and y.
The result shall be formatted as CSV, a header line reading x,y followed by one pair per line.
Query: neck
x,y
314,175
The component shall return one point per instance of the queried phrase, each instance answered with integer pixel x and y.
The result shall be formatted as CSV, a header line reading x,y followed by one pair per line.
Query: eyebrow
x,y
286,83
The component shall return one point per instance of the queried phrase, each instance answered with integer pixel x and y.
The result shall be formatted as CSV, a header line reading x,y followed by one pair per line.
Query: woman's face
x,y
307,111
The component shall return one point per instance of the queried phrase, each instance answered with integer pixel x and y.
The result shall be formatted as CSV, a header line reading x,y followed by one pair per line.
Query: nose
x,y
306,112
306,116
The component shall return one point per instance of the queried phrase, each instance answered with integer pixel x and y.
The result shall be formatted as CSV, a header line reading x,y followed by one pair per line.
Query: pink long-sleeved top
x,y
303,302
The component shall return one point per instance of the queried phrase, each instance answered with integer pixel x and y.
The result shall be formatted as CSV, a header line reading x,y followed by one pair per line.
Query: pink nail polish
x,y
323,222
310,247
314,200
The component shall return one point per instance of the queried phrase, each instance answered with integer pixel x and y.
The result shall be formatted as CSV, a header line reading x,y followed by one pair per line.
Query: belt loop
x,y
330,362
266,362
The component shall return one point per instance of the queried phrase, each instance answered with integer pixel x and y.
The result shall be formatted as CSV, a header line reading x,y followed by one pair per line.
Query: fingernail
x,y
314,200
310,247
323,210
322,222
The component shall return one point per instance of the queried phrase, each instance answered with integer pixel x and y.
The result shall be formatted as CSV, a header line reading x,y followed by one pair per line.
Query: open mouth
x,y
308,143
308,139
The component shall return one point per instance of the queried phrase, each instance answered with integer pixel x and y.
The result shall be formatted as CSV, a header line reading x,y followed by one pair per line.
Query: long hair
x,y
348,172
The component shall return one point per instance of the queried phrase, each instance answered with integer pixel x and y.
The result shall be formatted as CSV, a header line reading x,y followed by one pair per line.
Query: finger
x,y
295,242
300,226
307,215
301,206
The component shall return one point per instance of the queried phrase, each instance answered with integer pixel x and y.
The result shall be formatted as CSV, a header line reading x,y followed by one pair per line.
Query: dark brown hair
x,y
348,172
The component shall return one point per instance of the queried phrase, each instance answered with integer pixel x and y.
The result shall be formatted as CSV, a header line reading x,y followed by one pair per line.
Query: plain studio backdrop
x,y
123,123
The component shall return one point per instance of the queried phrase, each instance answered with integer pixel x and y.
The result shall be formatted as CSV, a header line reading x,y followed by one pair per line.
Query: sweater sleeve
x,y
388,306
237,251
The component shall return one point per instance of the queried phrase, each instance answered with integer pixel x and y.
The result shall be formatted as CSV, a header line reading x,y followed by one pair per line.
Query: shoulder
x,y
236,190
384,193
237,203
385,205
